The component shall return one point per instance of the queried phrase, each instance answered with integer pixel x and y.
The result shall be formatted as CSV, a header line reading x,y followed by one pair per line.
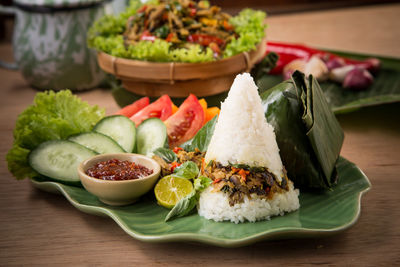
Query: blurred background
x,y
272,7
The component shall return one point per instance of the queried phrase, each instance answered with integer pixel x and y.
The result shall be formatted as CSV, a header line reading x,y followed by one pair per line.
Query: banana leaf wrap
x,y
307,132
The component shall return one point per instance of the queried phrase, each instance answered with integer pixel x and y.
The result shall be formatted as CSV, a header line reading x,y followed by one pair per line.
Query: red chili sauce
x,y
117,170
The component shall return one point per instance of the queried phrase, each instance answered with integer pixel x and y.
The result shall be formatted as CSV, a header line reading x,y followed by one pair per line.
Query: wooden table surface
x,y
44,229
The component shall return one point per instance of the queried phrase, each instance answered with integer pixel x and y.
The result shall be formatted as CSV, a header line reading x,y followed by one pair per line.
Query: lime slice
x,y
169,190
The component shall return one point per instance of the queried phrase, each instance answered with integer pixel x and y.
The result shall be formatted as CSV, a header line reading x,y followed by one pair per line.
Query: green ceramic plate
x,y
319,214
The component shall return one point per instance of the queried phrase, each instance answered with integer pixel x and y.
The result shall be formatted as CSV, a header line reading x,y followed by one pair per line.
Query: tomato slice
x,y
162,108
131,109
186,122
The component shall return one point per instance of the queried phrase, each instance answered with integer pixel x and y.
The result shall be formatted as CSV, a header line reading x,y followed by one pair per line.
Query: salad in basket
x,y
177,31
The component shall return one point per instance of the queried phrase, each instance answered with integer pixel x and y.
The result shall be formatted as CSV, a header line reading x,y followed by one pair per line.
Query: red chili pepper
x,y
227,25
192,12
165,16
147,36
203,164
169,37
142,9
174,165
289,52
216,181
243,174
177,149
204,39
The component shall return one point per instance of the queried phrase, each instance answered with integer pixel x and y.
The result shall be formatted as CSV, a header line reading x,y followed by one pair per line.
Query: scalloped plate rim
x,y
287,232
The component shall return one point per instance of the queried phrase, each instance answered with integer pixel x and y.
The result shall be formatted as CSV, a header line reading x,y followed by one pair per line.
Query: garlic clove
x,y
317,68
297,64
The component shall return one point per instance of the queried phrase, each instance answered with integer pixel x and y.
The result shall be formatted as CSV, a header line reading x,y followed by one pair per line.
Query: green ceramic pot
x,y
49,43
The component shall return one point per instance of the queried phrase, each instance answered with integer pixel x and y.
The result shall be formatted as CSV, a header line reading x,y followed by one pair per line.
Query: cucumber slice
x,y
59,159
120,128
151,134
98,142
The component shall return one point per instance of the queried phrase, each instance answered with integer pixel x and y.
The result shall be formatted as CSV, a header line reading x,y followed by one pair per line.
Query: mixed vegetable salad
x,y
177,31
59,121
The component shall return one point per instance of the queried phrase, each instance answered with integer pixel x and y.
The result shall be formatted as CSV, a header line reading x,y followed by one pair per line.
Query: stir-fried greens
x,y
243,180
178,31
181,23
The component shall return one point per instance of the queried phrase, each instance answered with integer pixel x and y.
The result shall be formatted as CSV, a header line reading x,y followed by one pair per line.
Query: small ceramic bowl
x,y
118,193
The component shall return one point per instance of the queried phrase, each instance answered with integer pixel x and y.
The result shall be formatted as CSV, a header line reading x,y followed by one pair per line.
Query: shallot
x,y
358,79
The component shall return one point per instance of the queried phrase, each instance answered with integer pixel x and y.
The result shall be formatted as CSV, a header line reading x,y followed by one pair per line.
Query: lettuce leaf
x,y
52,116
249,24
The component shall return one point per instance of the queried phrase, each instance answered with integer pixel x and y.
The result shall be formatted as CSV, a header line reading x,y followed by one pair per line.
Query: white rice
x,y
242,135
215,206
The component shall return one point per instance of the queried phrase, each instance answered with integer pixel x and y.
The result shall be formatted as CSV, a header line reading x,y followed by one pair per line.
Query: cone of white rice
x,y
243,137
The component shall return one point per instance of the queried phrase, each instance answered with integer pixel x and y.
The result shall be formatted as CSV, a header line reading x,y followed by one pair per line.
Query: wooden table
x,y
44,229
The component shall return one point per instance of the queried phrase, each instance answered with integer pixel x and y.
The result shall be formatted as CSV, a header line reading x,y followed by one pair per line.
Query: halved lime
x,y
169,190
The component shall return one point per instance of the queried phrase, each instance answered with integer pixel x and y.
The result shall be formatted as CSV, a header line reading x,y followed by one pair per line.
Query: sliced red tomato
x,y
186,122
133,108
161,108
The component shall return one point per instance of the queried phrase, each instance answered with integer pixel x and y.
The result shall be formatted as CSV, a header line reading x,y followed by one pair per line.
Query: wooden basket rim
x,y
175,71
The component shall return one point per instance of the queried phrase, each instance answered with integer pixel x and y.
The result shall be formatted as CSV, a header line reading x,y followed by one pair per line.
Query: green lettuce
x,y
249,24
192,54
52,116
106,35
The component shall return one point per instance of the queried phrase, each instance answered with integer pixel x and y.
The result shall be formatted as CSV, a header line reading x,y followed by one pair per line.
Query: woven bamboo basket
x,y
179,79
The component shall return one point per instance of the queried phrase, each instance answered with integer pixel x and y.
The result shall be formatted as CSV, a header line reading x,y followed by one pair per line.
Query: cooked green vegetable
x,y
308,135
52,116
176,31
